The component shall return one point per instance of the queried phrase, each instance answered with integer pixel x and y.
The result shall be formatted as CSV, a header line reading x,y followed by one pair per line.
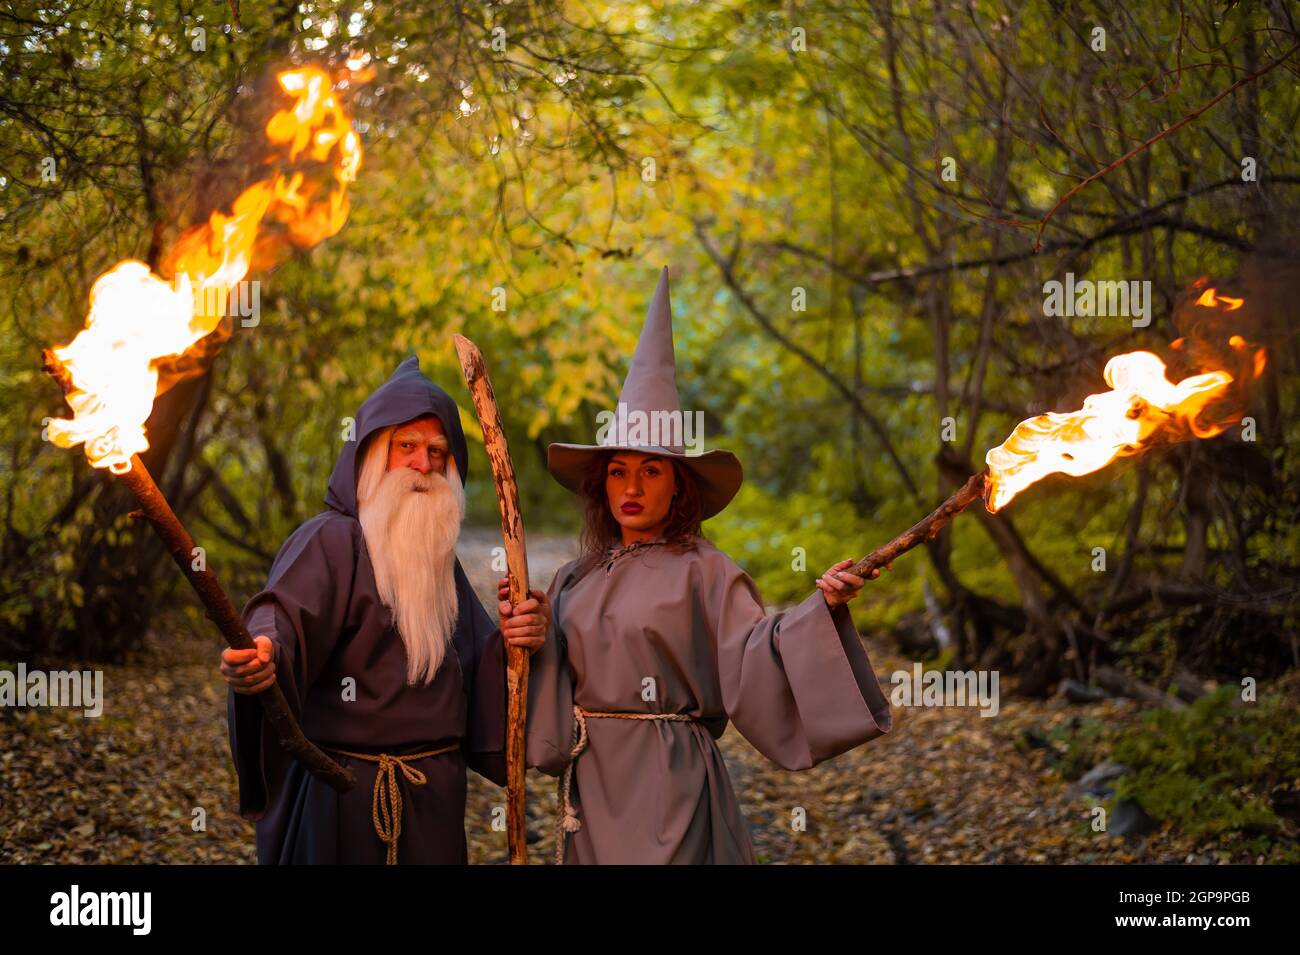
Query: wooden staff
x,y
927,528
512,530
217,604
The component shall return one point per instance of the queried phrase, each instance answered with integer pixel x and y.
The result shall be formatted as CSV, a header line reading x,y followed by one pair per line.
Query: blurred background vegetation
x,y
563,152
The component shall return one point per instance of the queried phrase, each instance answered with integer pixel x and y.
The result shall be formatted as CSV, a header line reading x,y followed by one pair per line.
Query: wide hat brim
x,y
718,474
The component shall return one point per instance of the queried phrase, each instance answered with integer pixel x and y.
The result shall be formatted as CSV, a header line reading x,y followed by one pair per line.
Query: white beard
x,y
411,522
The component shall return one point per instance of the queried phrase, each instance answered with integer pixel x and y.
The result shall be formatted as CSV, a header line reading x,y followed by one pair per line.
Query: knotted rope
x,y
567,820
386,804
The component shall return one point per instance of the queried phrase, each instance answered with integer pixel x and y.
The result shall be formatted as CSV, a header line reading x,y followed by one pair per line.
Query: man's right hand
x,y
523,626
249,671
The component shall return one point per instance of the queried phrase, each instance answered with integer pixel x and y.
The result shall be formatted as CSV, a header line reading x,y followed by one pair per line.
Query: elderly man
x,y
382,649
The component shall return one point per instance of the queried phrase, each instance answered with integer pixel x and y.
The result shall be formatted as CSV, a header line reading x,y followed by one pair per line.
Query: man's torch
x,y
220,610
139,322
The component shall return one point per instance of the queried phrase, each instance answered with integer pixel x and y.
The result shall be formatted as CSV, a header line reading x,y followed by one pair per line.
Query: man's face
x,y
419,444
411,519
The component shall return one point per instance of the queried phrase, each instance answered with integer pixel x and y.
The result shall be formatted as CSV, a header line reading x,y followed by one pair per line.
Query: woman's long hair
x,y
601,530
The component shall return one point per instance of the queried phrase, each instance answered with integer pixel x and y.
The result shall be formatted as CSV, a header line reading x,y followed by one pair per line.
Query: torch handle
x,y
219,608
223,613
927,528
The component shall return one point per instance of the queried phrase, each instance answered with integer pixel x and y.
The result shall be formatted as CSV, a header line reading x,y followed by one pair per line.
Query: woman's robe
x,y
687,630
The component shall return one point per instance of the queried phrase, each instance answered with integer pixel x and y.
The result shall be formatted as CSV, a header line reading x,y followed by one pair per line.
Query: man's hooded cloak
x,y
342,666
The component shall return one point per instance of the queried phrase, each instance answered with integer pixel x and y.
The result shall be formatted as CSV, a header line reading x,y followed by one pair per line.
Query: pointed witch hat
x,y
650,394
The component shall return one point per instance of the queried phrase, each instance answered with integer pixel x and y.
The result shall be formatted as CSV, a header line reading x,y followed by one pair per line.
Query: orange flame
x,y
1209,300
1142,406
137,318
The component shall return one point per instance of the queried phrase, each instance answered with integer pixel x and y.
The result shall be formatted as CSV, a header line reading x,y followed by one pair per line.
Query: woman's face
x,y
640,490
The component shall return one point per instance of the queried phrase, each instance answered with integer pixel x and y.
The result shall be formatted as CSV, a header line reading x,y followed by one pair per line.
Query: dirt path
x,y
945,786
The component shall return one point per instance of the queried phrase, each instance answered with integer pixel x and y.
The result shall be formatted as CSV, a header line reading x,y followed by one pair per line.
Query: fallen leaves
x,y
124,787
945,786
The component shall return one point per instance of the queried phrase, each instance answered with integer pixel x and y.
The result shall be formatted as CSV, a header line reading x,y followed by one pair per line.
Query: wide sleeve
x,y
302,609
485,731
797,684
550,692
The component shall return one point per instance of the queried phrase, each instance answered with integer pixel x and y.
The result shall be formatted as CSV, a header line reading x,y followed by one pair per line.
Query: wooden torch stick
x,y
927,528
512,530
218,606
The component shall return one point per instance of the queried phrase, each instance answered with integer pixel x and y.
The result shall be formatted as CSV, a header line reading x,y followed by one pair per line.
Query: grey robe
x,y
327,624
797,684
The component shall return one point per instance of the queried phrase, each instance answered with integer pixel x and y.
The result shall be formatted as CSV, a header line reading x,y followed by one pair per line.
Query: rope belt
x,y
568,820
386,806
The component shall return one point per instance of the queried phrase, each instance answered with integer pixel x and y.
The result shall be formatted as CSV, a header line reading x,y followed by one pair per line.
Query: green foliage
x,y
525,172
1079,744
1208,768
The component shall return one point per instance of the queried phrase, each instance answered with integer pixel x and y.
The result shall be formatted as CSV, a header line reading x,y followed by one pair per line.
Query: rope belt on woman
x,y
386,806
568,820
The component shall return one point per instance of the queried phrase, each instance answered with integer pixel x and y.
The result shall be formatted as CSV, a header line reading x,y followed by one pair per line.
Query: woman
x,y
660,639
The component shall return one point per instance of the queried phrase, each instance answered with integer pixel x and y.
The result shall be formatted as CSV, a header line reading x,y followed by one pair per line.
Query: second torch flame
x,y
1142,407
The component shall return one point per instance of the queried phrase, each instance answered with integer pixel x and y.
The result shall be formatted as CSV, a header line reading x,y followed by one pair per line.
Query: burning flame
x,y
1209,300
137,318
1142,406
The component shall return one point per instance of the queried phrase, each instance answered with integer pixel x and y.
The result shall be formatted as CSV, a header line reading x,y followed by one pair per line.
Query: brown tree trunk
x,y
1041,651
1196,516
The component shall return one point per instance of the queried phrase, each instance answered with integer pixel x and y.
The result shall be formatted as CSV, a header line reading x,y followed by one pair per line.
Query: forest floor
x,y
945,786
